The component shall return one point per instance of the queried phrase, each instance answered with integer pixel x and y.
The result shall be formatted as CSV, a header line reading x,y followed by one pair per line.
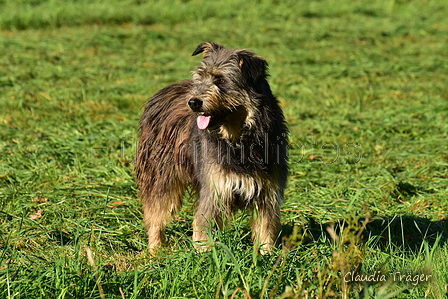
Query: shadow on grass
x,y
405,232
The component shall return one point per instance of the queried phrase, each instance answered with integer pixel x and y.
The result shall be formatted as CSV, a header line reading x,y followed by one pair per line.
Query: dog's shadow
x,y
404,232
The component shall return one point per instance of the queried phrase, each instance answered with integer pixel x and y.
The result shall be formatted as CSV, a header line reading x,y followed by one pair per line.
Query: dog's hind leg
x,y
158,209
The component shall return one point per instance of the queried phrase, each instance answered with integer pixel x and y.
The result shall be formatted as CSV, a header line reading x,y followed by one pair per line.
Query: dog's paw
x,y
202,246
266,249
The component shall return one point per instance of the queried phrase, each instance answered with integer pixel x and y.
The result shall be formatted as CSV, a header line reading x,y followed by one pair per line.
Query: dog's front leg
x,y
266,223
207,216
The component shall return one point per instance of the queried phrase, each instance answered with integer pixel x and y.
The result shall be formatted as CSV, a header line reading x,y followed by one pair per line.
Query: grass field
x,y
363,85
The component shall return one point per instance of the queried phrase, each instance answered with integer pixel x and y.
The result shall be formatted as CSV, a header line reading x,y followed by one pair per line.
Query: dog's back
x,y
165,124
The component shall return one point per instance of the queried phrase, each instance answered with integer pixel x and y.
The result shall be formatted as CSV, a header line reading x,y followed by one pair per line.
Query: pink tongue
x,y
203,121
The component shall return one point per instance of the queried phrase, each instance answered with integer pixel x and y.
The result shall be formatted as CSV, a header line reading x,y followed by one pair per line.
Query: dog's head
x,y
228,87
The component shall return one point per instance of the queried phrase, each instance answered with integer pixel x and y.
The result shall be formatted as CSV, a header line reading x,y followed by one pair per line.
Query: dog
x,y
222,135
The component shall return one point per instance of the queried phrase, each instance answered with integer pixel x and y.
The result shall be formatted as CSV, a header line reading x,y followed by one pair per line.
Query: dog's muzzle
x,y
203,120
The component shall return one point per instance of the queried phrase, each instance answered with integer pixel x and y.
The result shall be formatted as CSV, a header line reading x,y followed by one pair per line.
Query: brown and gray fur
x,y
239,161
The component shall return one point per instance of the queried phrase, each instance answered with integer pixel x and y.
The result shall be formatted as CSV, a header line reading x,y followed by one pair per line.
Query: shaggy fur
x,y
224,134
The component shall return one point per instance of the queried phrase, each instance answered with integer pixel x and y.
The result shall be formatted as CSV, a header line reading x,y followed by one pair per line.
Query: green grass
x,y
363,85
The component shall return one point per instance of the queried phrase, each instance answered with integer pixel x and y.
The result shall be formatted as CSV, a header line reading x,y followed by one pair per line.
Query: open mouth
x,y
210,121
203,121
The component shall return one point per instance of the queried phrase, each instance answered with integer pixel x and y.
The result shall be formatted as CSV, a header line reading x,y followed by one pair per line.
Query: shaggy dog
x,y
222,133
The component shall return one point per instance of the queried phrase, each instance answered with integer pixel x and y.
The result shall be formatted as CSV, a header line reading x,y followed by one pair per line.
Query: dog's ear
x,y
206,48
253,67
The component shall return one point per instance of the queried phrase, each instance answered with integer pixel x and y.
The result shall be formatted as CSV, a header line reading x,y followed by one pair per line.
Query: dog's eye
x,y
220,81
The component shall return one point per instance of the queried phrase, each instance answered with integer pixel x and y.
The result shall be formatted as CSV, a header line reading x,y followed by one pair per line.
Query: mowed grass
x,y
363,85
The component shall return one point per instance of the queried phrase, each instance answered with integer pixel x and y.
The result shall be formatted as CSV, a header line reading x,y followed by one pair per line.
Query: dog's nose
x,y
195,104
